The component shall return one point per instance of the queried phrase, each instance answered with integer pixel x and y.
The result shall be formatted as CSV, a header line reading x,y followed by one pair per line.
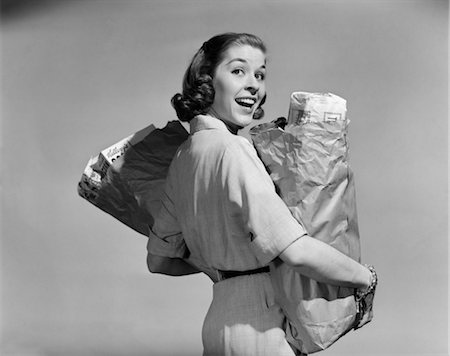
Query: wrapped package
x,y
308,162
126,180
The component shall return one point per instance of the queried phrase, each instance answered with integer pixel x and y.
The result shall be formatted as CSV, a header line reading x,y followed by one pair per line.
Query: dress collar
x,y
206,122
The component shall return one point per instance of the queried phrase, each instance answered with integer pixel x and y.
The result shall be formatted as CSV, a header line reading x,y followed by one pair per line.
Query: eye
x,y
260,76
238,71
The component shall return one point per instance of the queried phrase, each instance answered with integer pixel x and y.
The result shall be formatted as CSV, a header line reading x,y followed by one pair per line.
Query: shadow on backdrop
x,y
15,9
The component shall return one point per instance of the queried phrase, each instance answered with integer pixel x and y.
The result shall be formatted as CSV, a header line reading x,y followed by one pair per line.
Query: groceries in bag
x,y
126,180
307,158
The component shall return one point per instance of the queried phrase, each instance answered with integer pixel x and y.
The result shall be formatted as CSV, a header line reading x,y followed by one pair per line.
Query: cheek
x,y
223,95
262,90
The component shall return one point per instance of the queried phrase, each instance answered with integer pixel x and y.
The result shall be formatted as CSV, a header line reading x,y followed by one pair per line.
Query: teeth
x,y
247,101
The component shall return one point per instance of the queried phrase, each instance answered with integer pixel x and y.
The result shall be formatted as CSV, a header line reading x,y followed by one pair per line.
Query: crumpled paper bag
x,y
126,180
308,162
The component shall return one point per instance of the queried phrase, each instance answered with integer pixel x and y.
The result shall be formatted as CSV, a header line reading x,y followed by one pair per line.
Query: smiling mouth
x,y
246,102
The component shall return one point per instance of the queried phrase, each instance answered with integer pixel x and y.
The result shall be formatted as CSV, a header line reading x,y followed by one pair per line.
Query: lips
x,y
247,102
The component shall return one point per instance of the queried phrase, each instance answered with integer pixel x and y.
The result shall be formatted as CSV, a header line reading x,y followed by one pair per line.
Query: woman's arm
x,y
322,262
169,266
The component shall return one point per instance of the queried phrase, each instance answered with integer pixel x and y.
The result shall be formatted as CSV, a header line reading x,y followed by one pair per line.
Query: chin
x,y
244,120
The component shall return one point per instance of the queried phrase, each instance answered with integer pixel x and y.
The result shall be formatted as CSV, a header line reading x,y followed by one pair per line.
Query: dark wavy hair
x,y
198,92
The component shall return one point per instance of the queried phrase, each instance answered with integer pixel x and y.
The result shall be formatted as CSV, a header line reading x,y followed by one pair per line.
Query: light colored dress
x,y
220,208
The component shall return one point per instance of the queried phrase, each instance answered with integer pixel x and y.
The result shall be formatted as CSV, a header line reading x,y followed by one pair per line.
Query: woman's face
x,y
239,84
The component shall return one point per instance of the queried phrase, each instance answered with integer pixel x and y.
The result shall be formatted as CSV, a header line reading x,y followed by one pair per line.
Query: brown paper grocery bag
x,y
126,180
308,162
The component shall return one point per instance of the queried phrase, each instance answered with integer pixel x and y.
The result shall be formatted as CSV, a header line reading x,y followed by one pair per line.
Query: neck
x,y
231,127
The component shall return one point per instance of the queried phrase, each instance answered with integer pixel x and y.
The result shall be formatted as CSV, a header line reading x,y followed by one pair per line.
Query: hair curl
x,y
198,92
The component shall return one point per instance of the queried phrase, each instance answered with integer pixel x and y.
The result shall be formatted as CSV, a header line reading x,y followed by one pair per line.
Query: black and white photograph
x,y
236,178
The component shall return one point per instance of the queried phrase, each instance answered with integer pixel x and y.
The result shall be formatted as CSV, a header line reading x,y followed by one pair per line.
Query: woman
x,y
220,213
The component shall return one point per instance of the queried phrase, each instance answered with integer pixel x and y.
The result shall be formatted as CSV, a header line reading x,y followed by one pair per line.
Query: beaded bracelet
x,y
371,288
361,299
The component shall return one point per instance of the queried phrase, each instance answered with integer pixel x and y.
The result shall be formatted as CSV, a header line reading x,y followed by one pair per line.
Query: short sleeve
x,y
253,196
165,238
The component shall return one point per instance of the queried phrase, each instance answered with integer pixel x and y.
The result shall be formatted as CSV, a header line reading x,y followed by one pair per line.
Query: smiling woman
x,y
220,212
198,84
239,86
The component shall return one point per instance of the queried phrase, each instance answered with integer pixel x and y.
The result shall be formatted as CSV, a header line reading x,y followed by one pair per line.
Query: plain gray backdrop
x,y
79,75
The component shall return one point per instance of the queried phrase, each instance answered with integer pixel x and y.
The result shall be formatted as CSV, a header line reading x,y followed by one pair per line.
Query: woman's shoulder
x,y
218,140
240,143
234,145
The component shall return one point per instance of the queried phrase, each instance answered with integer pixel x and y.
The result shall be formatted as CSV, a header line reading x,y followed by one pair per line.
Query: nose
x,y
252,85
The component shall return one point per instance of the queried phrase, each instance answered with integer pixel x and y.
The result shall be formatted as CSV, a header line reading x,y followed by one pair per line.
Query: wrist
x,y
370,285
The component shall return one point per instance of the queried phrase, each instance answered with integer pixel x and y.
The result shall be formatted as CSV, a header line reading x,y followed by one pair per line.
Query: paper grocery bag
x,y
126,180
308,162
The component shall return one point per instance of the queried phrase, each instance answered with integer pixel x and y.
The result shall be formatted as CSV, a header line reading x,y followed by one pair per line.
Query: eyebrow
x,y
243,61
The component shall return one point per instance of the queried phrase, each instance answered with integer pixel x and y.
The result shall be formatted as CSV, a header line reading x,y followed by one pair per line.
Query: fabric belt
x,y
230,274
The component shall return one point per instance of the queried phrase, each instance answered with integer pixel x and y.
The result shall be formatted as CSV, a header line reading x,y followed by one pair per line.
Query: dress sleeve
x,y
165,238
268,220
